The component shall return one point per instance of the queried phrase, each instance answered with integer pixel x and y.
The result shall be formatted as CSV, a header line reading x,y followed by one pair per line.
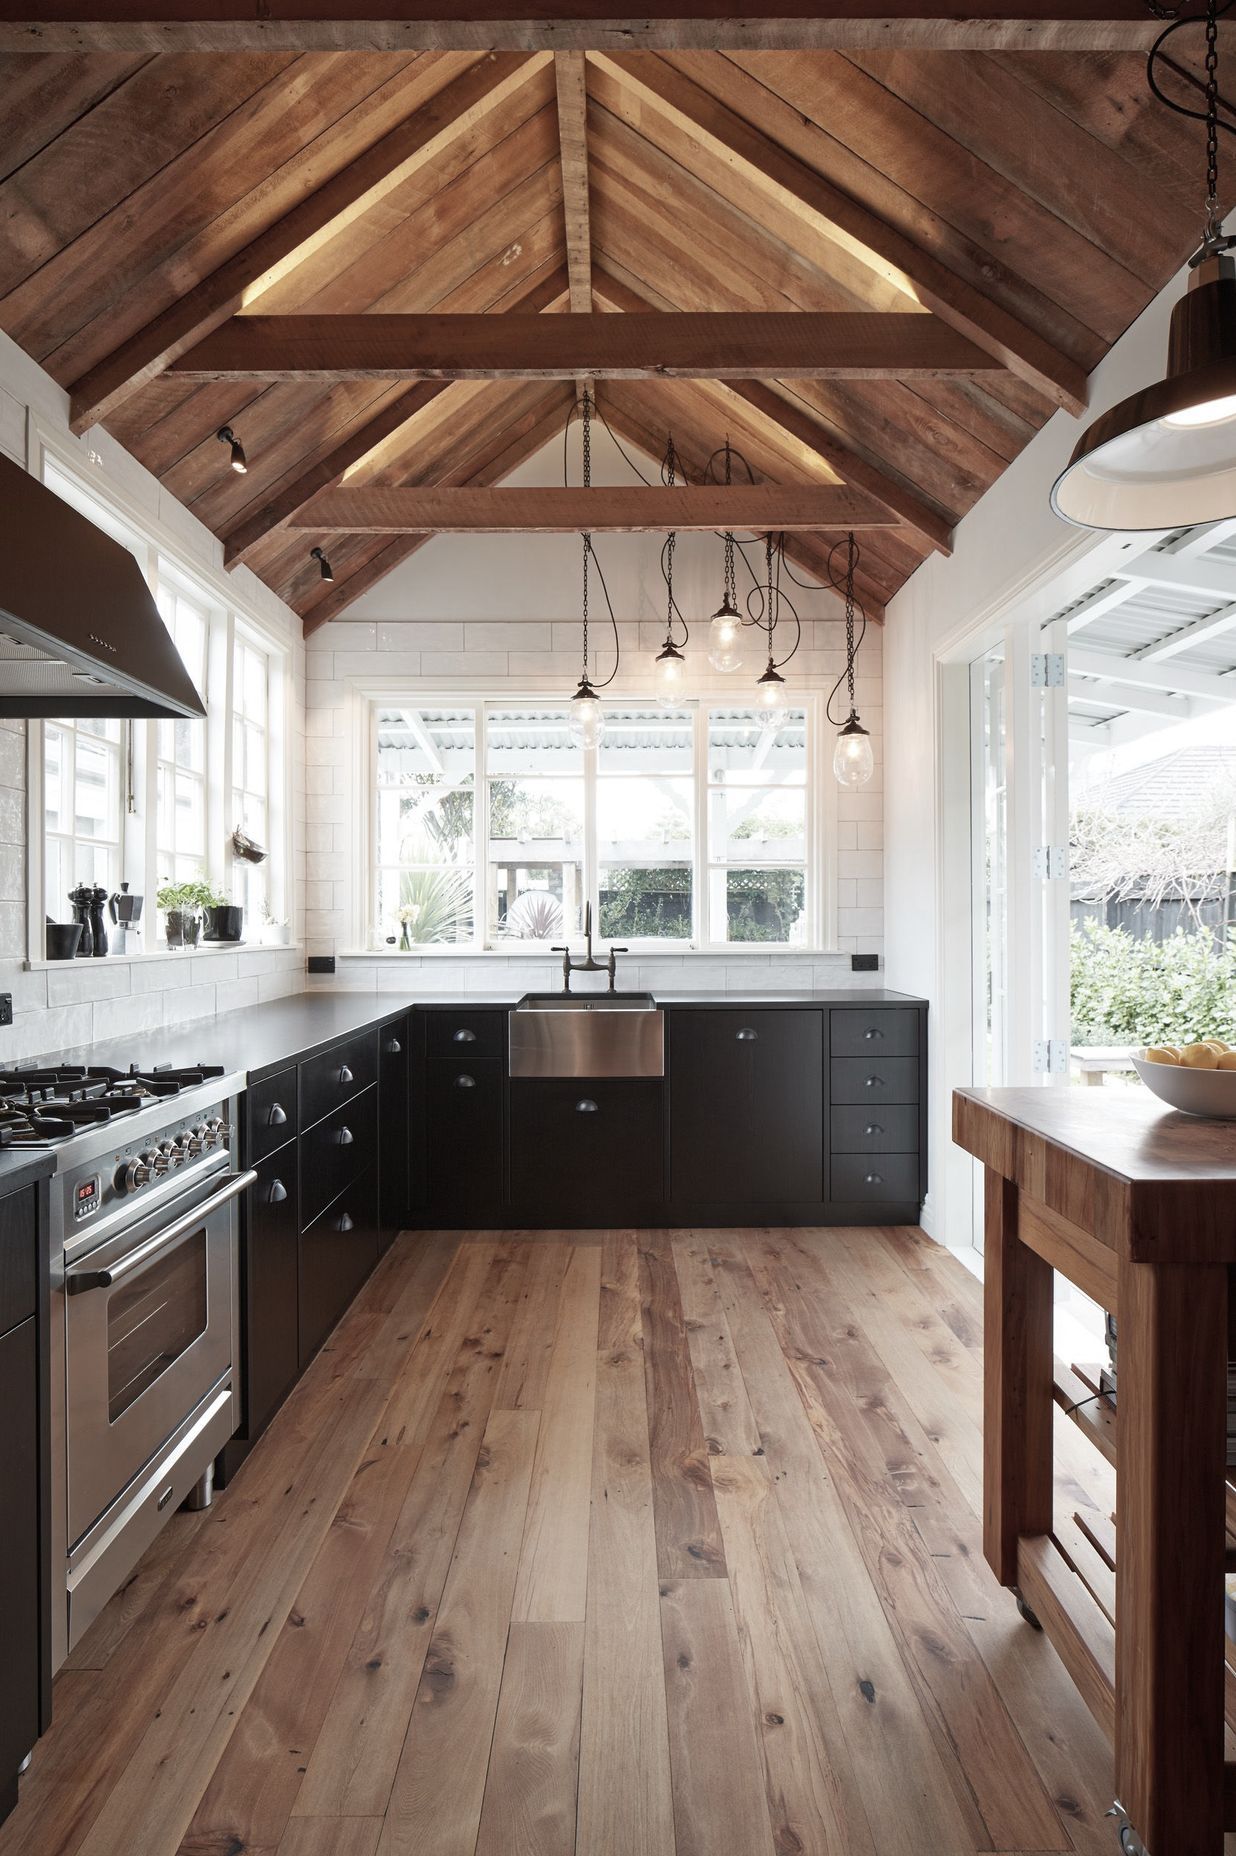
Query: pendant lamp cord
x,y
1212,227
846,588
587,411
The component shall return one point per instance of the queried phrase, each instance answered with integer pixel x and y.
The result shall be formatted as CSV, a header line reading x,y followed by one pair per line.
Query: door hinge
x,y
1047,670
1051,860
1051,1057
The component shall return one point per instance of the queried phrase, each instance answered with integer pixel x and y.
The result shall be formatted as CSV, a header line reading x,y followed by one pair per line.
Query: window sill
x,y
206,949
636,950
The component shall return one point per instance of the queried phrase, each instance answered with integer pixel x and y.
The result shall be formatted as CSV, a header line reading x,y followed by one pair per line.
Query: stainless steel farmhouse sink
x,y
597,1034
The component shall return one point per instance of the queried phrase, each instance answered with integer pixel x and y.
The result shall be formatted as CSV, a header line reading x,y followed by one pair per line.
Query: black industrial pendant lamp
x,y
587,719
725,626
853,760
669,668
1166,457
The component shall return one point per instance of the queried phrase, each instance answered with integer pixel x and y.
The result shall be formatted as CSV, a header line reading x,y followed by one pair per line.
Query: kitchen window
x,y
83,766
251,770
181,790
492,827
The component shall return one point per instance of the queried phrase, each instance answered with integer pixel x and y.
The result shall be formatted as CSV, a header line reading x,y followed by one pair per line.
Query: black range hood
x,y
80,634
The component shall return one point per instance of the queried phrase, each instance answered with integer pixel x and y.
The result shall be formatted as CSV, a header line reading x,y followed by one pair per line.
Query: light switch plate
x,y
864,963
6,1008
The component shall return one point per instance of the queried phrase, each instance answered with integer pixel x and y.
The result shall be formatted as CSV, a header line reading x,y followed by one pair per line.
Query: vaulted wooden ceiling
x,y
1034,200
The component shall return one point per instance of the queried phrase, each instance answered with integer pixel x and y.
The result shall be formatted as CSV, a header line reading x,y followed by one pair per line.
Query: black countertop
x,y
265,1038
21,1166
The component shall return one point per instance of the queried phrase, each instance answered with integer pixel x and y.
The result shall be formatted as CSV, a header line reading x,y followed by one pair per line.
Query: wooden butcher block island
x,y
1136,1205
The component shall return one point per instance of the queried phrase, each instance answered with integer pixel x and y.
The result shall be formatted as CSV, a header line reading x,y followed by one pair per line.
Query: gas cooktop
x,y
41,1106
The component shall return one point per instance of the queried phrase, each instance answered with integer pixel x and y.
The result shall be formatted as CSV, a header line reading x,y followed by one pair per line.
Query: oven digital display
x,y
86,1198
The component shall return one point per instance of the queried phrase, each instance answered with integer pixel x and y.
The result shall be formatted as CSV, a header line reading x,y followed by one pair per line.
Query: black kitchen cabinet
x,y
464,1116
587,1153
746,1107
25,1603
337,1252
337,1150
395,1113
270,1291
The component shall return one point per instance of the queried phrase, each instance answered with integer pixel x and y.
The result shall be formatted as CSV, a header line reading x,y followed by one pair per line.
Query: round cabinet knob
x,y
463,1037
276,1193
873,1127
873,1033
585,1106
465,1082
746,1035
345,1075
277,1116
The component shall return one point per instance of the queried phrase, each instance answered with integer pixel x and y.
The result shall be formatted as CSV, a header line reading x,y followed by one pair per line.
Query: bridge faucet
x,y
588,964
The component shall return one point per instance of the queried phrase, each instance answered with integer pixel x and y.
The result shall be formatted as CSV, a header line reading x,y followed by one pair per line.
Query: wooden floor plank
x,y
625,1801
719,1801
688,1532
531,1788
435,1806
844,1680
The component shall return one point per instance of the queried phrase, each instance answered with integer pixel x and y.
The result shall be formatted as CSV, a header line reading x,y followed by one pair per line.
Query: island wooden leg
x,y
1017,1384
1169,1554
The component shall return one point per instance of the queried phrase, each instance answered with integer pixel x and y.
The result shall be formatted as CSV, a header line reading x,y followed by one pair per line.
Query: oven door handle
x,y
78,1282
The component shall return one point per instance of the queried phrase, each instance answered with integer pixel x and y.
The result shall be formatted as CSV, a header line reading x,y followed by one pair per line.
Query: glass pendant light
x,y
725,627
770,689
586,718
853,760
670,673
1166,456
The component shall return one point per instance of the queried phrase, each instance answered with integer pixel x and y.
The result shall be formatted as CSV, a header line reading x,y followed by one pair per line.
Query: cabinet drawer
x,y
271,1110
880,1032
464,1146
589,1148
860,1177
19,1260
336,1152
470,1035
336,1076
874,1079
337,1252
269,1290
885,1128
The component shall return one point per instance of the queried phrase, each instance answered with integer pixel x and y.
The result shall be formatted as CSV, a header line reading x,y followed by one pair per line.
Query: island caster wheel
x,y
1026,1612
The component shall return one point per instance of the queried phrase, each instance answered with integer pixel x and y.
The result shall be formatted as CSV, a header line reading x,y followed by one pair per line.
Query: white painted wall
x,y
1009,543
489,614
75,1003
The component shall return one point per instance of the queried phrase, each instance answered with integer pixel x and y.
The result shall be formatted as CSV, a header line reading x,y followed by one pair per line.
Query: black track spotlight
x,y
316,554
227,436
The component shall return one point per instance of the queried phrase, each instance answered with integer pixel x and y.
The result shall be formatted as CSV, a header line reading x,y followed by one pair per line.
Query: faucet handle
x,y
559,950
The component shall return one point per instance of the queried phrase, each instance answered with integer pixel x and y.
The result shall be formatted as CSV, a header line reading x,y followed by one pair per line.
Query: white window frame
x,y
363,934
162,556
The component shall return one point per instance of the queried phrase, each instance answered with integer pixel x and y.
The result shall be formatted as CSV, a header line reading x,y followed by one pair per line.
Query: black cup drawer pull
x,y
463,1037
874,1032
277,1116
345,1075
343,1222
277,1192
345,1137
393,1048
585,1106
465,1082
746,1035
873,1128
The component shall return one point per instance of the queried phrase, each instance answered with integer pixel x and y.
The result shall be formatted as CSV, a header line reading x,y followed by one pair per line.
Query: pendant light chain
x,y
731,583
587,411
849,616
671,466
1214,225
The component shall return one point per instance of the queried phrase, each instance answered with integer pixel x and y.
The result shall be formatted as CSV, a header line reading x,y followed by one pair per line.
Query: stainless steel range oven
x,y
144,1329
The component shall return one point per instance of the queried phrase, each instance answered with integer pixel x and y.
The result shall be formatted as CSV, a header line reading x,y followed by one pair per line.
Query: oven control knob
x,y
196,1143
159,1162
175,1153
133,1175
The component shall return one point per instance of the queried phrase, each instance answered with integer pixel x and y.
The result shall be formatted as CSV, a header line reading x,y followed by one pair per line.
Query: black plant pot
x,y
63,939
223,923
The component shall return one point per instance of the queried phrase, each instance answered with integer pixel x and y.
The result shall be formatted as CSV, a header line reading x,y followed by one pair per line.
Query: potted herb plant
x,y
182,905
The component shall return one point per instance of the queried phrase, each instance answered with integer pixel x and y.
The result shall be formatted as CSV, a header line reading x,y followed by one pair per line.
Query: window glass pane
x,y
645,832
759,905
535,740
95,801
747,748
536,824
646,741
426,764
754,824
55,749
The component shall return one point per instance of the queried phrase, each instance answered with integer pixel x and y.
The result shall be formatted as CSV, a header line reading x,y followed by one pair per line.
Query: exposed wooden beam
x,y
503,459
379,510
570,78
457,108
365,25
724,136
247,534
802,345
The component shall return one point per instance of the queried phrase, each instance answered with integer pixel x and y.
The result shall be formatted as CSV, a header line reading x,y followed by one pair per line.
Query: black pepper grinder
x,y
80,900
98,921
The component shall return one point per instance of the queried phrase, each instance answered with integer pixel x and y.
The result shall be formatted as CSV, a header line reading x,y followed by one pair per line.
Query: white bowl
x,y
1193,1092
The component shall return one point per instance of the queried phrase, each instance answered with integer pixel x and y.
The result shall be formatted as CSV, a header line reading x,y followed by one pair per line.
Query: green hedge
x,y
1128,991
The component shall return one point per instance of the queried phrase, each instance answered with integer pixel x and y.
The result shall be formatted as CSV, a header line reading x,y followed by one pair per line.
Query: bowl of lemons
x,y
1198,1079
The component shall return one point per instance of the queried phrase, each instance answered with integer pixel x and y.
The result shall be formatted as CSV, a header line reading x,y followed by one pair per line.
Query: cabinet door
x,y
394,1139
270,1313
337,1252
465,1139
746,1106
19,1554
589,1151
